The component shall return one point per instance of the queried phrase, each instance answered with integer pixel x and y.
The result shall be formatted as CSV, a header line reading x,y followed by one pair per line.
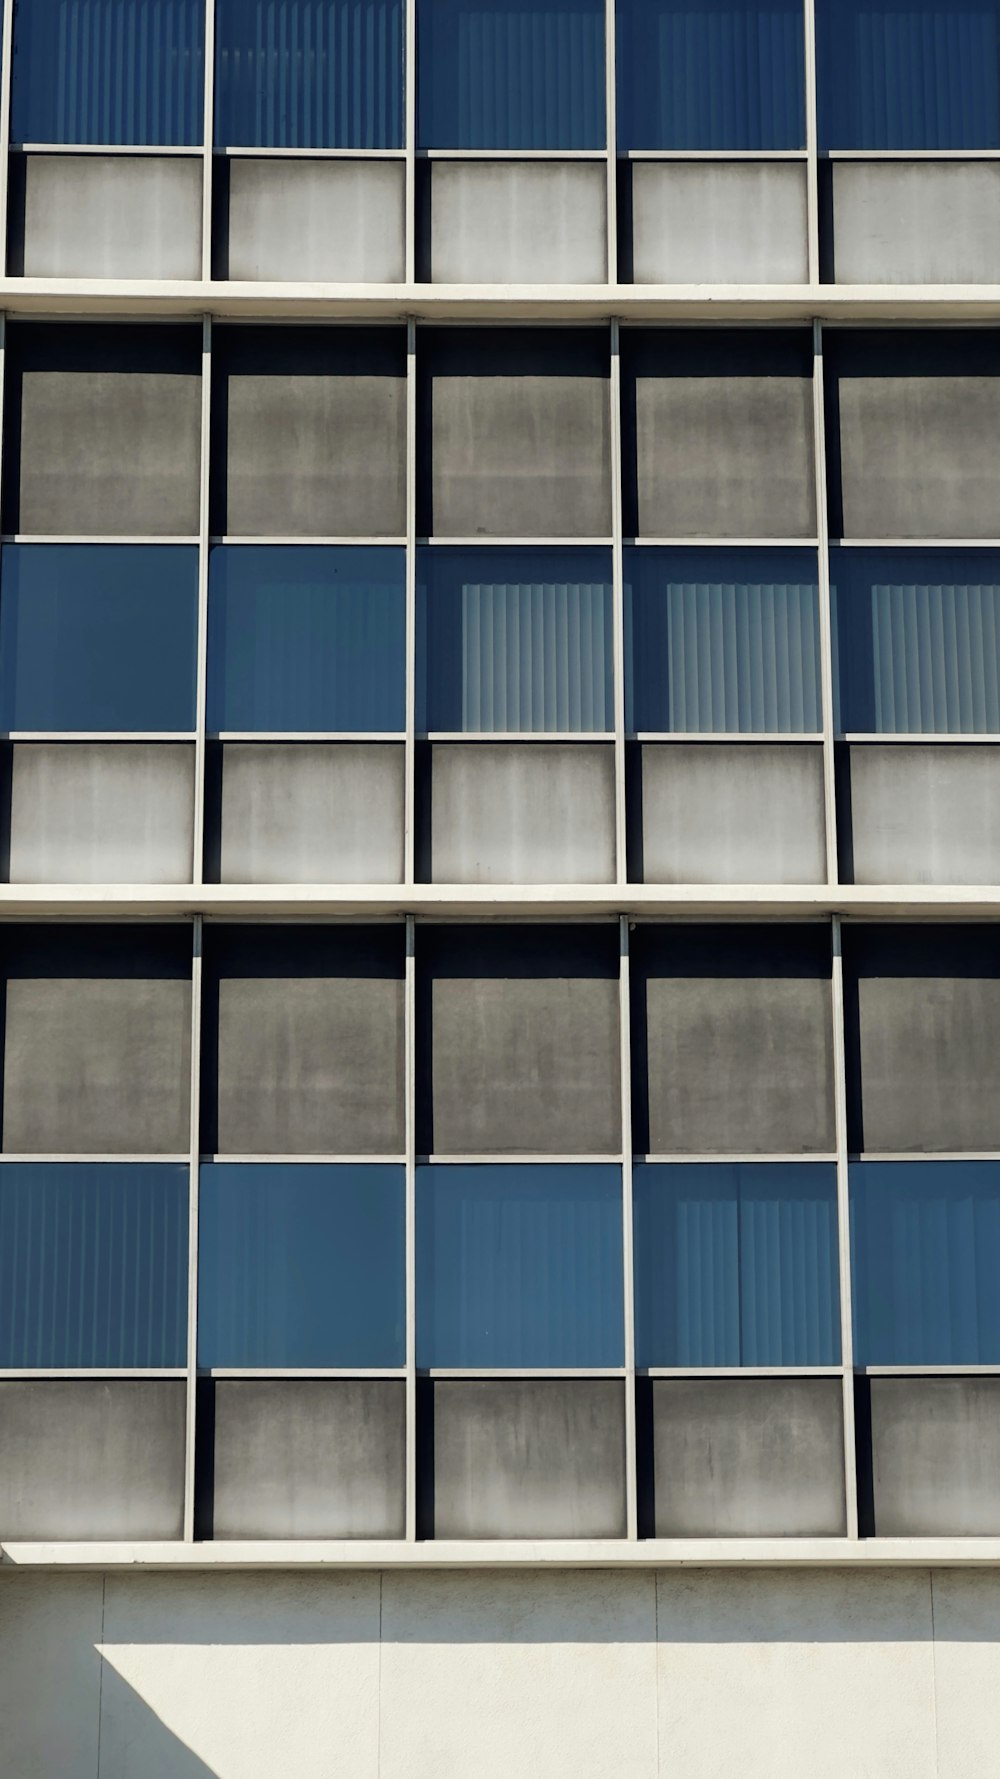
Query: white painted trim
x,y
201,658
722,543
844,1230
729,1371
410,139
518,735
208,132
510,154
190,151
742,735
611,136
410,619
309,542
410,1120
812,138
193,1200
925,738
628,1268
715,154
826,643
618,606
244,151
743,1159
250,1373
305,735
73,737
303,1160
473,1373
6,79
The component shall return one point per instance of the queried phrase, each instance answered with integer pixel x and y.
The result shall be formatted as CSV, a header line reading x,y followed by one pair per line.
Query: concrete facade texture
x,y
101,812
729,812
925,813
919,456
311,812
719,222
112,216
518,223
329,221
916,223
542,812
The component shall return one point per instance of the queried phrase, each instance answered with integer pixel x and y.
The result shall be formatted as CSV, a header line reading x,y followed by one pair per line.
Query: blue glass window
x,y
109,71
722,640
93,1264
736,1264
908,73
925,1240
309,73
306,637
510,74
710,74
301,1265
98,637
519,1266
917,636
514,640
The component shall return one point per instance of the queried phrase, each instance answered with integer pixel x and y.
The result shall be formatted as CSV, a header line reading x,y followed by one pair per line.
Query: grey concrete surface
x,y
920,456
112,216
936,1456
719,222
918,222
519,222
328,221
312,812
537,812
925,814
741,812
929,1048
102,812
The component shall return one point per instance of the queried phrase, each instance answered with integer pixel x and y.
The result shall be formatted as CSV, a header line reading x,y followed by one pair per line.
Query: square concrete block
x,y
922,222
719,222
715,812
919,455
542,812
101,812
925,814
112,216
928,1049
322,221
936,1456
312,812
519,222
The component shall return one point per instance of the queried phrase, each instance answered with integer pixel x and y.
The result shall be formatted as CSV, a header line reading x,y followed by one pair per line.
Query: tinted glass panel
x,y
98,637
722,74
519,1266
109,71
908,73
301,1265
309,73
510,74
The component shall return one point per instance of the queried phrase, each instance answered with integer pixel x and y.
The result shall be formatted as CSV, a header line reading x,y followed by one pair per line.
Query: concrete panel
x,y
310,1066
312,813
50,1675
929,1049
919,456
922,222
925,814
748,1457
719,222
89,1458
543,812
724,456
529,1458
112,216
96,812
966,1636
97,1067
328,222
524,1066
740,1065
309,1458
110,454
519,222
936,1456
316,455
746,812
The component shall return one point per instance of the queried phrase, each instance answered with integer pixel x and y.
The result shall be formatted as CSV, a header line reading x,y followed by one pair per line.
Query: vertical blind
x,y
109,71
510,74
722,640
908,73
710,74
309,73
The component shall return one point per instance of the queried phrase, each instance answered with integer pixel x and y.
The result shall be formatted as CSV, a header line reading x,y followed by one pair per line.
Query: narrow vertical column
x,y
825,611
193,1186
201,684
409,1089
209,134
611,113
844,1232
812,143
628,1294
618,601
7,53
409,815
410,138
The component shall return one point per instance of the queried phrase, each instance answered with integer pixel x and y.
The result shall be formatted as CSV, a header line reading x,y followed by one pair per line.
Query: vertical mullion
x,y
7,52
611,138
618,600
193,1184
409,836
208,133
825,615
812,149
410,1117
410,138
844,1231
202,667
628,1295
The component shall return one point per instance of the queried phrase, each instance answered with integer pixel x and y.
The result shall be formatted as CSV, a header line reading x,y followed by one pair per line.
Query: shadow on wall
x,y
141,1745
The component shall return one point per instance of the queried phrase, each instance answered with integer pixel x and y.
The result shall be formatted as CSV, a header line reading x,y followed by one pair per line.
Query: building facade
x,y
500,843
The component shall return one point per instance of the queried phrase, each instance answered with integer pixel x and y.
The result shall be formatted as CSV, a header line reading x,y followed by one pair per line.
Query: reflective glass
x,y
705,74
109,71
301,1265
309,73
510,74
908,73
98,637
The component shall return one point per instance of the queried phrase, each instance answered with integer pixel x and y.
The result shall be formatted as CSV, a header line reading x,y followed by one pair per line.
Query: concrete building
x,y
500,855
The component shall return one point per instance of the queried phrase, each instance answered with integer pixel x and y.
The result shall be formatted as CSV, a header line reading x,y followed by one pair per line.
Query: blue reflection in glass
x,y
722,639
516,640
309,73
711,74
924,74
93,1264
98,636
510,74
109,71
519,1265
925,1243
306,637
301,1265
736,1264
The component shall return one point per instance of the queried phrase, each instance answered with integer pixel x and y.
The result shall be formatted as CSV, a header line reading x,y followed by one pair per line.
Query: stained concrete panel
x,y
739,1065
101,812
724,456
323,221
519,222
936,1456
919,455
917,222
312,813
925,814
89,1458
310,1065
542,812
97,1066
112,216
929,1049
748,1457
529,1458
719,222
747,812
309,1458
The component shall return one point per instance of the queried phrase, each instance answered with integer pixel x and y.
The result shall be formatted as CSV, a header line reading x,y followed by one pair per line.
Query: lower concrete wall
x,y
405,1676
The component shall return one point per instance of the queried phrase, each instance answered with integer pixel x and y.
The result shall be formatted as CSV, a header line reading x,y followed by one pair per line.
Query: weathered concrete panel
x,y
519,222
312,812
309,1458
918,222
936,1456
919,456
529,1458
748,1457
746,812
327,221
101,812
929,1049
719,222
925,814
50,1674
542,812
112,216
